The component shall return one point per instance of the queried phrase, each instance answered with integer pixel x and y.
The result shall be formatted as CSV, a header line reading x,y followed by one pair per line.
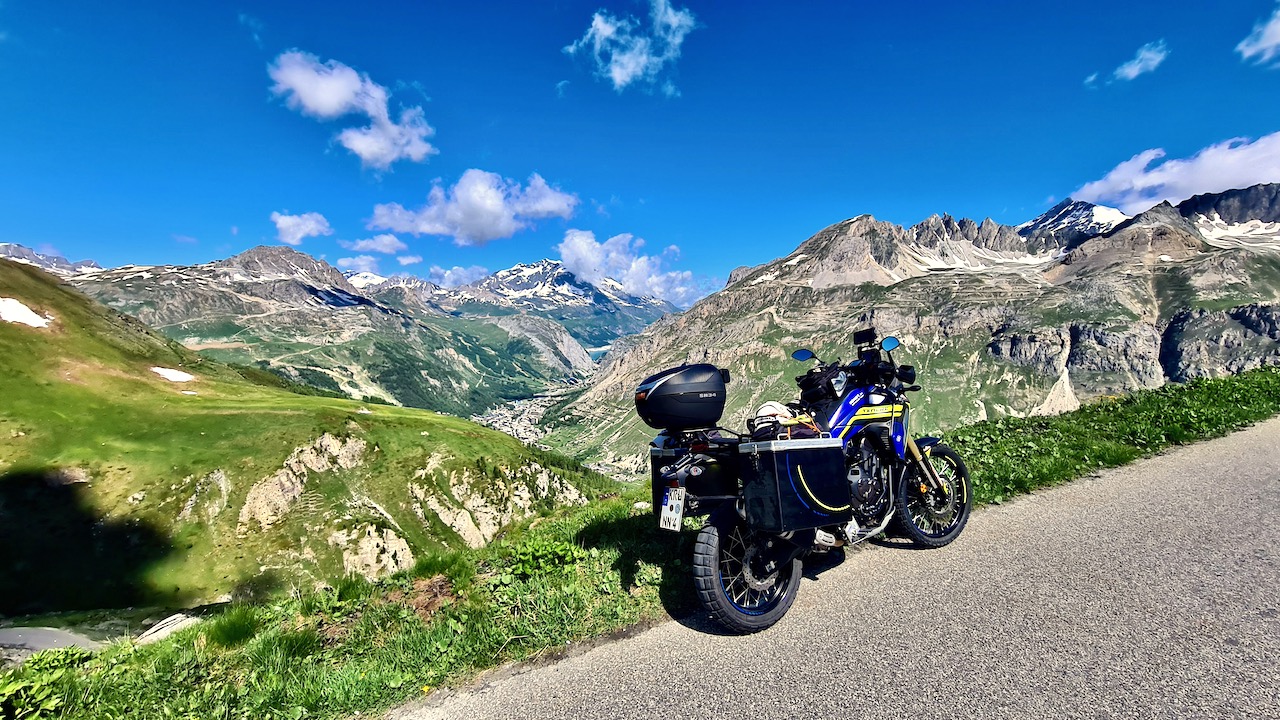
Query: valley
x,y
1080,304
134,471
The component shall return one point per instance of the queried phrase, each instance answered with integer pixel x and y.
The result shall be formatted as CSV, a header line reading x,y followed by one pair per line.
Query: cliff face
x,y
1204,343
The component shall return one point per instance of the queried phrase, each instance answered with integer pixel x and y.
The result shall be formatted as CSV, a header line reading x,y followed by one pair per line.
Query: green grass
x,y
79,397
567,577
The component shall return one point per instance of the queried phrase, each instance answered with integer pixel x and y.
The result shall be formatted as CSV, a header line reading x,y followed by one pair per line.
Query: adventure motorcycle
x,y
835,468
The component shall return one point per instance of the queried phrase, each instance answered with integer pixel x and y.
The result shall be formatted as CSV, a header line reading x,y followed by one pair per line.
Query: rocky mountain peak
x,y
988,235
1162,214
1068,224
1260,203
277,262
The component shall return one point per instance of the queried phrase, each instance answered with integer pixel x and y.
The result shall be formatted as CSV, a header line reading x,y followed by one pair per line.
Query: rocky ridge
x,y
285,311
997,322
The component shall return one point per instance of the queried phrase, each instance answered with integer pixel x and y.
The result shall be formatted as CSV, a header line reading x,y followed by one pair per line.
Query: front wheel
x,y
932,518
736,583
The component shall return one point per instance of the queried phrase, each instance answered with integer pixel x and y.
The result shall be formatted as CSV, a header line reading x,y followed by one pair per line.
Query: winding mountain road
x,y
1151,591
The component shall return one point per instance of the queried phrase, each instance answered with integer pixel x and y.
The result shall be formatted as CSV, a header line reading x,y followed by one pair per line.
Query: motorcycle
x,y
836,468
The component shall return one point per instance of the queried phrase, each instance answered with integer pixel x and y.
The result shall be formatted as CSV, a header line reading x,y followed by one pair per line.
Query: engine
x,y
868,482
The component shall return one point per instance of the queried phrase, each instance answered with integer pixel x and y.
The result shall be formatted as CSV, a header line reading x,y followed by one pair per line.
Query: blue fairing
x,y
863,407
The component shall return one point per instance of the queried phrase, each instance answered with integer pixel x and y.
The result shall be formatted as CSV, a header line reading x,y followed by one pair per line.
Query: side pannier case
x,y
716,482
795,484
683,398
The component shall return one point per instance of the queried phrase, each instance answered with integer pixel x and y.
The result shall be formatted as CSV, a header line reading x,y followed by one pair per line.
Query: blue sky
x,y
662,142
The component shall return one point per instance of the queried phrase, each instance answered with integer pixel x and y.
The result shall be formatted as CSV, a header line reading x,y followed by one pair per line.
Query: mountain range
x,y
1079,303
400,340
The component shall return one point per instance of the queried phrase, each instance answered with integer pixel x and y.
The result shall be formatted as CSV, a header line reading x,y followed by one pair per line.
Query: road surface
x,y
1151,591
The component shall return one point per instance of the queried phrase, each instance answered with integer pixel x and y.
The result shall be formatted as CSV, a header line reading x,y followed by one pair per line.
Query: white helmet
x,y
773,411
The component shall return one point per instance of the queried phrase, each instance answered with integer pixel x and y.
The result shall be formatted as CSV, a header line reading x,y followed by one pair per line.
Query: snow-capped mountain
x,y
362,280
595,314
1069,223
547,284
50,263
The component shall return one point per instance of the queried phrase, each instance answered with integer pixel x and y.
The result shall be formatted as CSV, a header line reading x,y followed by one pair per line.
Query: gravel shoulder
x,y
1147,591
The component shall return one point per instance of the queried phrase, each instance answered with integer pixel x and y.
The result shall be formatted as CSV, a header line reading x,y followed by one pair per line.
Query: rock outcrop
x,y
1203,343
271,497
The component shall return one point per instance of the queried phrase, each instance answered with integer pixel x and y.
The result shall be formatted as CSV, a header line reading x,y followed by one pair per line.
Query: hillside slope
x,y
994,329
133,470
283,310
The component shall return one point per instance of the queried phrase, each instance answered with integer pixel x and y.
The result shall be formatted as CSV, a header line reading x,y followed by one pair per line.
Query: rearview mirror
x,y
889,344
803,354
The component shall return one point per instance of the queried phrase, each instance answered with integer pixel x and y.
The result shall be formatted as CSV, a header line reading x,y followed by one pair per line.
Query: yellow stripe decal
x,y
814,498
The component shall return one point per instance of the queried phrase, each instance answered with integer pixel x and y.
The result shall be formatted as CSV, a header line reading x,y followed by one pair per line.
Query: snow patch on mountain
x,y
362,280
173,375
1251,234
15,311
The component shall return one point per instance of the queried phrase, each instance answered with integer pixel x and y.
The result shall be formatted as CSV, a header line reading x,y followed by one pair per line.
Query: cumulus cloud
x,y
620,258
456,275
625,51
480,207
331,90
291,229
1147,60
359,263
1136,184
386,243
409,260
1263,44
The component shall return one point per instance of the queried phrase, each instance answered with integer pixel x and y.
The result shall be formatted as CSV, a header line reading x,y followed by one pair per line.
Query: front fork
x,y
926,468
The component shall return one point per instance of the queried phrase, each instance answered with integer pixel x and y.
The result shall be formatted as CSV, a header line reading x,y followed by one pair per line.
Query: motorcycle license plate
x,y
672,509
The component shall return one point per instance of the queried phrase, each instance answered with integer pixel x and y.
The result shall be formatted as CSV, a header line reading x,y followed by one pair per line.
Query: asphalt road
x,y
1151,591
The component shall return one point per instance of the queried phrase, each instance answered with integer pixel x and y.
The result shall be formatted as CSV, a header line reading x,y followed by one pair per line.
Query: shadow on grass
x,y
638,539
57,553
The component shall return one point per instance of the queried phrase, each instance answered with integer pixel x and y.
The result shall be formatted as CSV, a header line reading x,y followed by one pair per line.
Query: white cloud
x,y
331,89
293,228
185,239
1147,60
385,243
1091,81
480,207
620,258
1263,44
359,263
1135,185
409,260
624,52
456,275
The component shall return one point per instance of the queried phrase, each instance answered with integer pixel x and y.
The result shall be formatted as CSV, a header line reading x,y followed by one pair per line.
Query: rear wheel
x,y
933,518
734,579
